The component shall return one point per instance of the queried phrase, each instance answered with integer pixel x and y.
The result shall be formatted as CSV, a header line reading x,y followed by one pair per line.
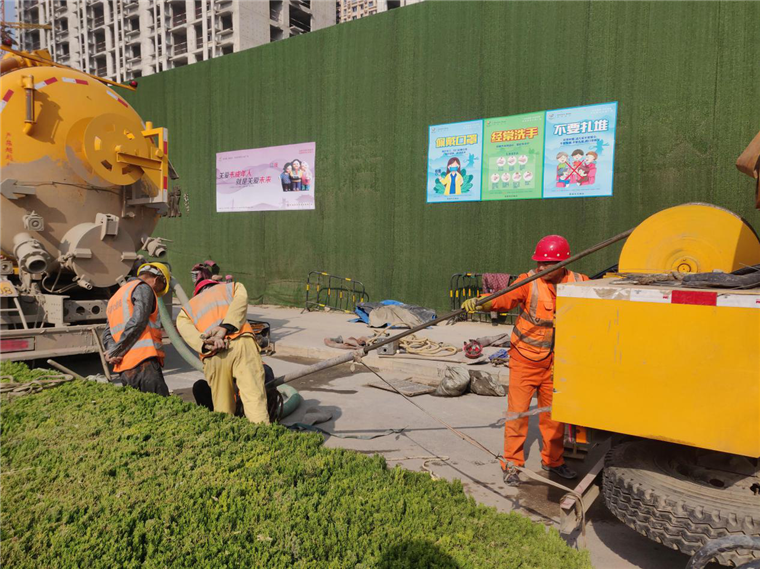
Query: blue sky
x,y
10,11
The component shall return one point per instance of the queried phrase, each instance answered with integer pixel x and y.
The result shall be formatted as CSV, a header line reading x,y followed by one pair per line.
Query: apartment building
x,y
354,9
127,39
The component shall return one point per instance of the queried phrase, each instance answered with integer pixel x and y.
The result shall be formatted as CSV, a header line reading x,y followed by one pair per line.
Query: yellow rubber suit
x,y
241,362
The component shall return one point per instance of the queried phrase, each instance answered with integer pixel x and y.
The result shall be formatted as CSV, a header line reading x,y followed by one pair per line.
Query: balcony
x,y
60,8
130,7
101,71
98,21
100,46
179,49
178,20
304,5
224,33
132,35
223,6
198,13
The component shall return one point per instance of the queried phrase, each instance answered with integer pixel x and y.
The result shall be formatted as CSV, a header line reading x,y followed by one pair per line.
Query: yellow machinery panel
x,y
677,365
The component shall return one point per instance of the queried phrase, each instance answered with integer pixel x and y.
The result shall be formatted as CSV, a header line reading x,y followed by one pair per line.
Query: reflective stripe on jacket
x,y
533,334
149,344
209,309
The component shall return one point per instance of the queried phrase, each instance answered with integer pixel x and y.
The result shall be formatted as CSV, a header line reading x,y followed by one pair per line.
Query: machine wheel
x,y
683,497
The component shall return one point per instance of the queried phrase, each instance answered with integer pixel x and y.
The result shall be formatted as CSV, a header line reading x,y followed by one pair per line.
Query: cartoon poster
x,y
454,158
266,179
579,151
513,157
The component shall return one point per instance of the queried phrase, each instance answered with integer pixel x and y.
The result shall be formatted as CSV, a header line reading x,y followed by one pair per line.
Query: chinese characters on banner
x,y
266,179
513,151
454,157
579,155
547,154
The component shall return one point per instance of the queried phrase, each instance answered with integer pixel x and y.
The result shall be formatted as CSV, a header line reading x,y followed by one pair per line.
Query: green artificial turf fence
x,y
685,75
99,476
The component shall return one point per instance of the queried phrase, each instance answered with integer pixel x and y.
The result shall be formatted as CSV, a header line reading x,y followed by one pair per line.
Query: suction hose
x,y
290,395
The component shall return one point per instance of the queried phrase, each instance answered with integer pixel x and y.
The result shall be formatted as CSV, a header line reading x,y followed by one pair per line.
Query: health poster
x,y
513,157
266,179
579,151
454,160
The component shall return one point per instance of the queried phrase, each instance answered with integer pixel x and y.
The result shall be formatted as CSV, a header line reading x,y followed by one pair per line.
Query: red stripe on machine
x,y
700,298
23,345
166,183
8,95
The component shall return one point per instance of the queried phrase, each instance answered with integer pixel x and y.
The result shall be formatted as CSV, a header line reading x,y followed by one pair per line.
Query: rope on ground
x,y
510,417
419,346
426,459
14,388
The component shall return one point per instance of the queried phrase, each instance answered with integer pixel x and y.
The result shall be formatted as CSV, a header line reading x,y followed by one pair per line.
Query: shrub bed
x,y
98,476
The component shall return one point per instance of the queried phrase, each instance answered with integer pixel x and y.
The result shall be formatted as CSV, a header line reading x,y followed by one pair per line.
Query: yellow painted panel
x,y
681,373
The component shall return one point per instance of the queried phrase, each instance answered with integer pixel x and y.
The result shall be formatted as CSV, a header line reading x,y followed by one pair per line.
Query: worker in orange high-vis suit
x,y
531,361
132,340
215,325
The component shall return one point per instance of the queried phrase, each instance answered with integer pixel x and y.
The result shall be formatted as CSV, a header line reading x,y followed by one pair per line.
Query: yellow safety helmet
x,y
162,268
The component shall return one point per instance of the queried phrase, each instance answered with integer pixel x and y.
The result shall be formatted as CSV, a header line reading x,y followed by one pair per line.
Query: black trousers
x,y
146,377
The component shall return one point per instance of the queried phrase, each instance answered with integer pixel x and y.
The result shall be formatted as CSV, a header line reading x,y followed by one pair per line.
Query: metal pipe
x,y
64,369
102,354
367,349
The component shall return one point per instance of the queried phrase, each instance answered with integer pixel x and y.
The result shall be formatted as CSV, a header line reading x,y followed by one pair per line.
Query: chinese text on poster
x,y
266,179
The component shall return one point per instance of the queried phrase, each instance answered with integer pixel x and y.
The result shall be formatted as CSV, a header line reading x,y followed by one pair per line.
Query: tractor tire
x,y
683,497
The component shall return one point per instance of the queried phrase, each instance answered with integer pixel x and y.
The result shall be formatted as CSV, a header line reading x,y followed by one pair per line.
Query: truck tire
x,y
683,497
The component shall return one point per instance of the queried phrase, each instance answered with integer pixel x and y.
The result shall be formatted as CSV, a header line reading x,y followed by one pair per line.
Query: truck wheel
x,y
683,497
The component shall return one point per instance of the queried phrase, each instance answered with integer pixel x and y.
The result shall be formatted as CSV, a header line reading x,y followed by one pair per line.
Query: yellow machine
x,y
674,369
84,182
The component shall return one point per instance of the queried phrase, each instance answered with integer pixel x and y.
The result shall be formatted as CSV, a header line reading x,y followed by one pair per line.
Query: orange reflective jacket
x,y
533,334
149,344
209,308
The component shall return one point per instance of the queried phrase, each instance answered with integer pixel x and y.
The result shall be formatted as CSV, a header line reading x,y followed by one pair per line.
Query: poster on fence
x,y
580,151
266,179
454,158
565,153
513,157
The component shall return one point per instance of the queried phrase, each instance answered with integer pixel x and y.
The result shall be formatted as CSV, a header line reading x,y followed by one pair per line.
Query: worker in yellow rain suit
x,y
214,324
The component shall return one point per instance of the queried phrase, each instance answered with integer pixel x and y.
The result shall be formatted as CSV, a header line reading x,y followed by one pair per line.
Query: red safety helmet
x,y
203,283
552,248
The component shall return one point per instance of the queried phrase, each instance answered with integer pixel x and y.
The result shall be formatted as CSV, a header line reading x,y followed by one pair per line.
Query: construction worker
x,y
532,358
215,325
133,340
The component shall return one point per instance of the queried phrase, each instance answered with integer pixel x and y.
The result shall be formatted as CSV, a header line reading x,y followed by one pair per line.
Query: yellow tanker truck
x,y
84,182
664,355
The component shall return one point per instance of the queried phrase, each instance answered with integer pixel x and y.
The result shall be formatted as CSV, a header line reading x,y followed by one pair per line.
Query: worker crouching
x,y
532,358
215,325
133,338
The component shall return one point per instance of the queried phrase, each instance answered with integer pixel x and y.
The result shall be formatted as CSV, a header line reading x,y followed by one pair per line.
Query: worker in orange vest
x,y
133,339
532,358
215,325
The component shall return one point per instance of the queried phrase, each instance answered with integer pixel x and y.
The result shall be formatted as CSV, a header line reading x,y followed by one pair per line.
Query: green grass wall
x,y
686,75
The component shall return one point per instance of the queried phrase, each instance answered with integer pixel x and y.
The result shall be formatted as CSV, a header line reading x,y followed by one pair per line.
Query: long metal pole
x,y
353,355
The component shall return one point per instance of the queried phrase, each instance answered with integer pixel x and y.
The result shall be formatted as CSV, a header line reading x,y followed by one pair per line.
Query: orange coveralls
x,y
531,366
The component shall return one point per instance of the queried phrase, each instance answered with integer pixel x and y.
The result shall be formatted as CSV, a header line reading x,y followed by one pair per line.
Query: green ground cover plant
x,y
99,476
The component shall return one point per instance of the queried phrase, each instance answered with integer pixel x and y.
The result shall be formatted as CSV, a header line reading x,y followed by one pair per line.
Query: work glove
x,y
469,305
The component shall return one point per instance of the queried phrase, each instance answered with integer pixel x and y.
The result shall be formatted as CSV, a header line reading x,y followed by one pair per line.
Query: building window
x,y
227,22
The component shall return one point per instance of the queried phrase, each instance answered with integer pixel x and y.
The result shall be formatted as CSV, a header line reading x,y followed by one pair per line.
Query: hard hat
x,y
203,283
552,248
199,272
158,269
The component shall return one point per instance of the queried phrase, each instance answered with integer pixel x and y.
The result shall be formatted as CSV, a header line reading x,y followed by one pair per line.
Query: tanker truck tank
x,y
84,182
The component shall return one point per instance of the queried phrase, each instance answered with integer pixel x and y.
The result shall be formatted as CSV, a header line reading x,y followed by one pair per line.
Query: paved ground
x,y
424,444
